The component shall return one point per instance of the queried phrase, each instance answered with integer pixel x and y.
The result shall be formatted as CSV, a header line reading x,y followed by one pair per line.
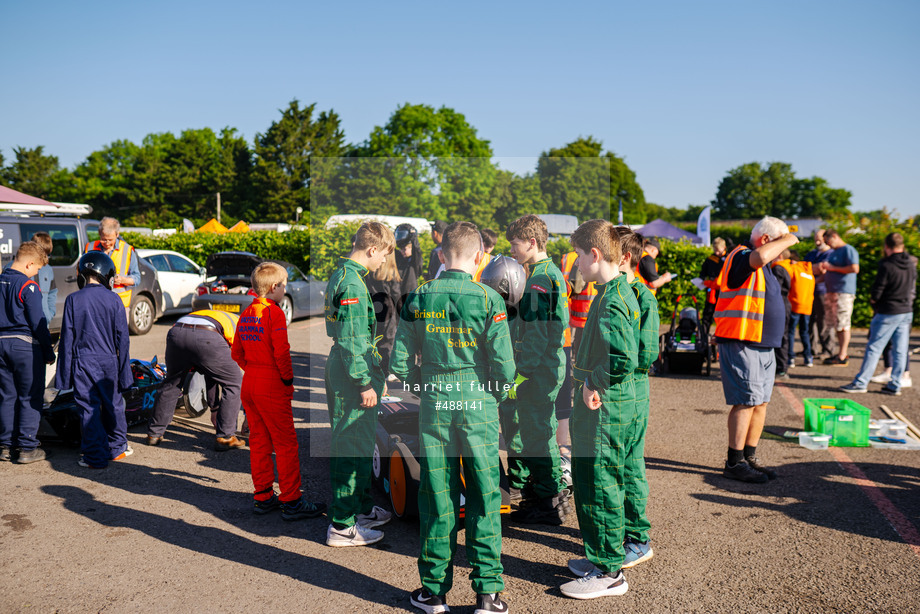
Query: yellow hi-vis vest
x,y
739,312
121,256
227,321
642,279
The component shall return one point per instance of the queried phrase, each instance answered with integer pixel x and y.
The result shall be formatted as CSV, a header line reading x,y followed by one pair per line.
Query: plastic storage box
x,y
846,421
892,428
814,441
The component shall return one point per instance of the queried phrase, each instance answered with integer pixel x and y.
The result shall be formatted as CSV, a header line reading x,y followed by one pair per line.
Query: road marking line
x,y
898,521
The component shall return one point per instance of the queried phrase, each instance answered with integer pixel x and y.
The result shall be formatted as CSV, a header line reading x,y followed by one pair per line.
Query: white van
x,y
419,223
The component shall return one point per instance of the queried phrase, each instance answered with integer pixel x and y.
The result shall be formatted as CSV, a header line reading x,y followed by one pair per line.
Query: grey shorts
x,y
747,373
838,310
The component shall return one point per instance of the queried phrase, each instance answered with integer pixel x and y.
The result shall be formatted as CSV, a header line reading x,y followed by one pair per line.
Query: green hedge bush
x,y
292,246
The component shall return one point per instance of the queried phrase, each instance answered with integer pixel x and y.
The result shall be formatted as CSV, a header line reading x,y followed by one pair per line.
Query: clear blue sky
x,y
684,91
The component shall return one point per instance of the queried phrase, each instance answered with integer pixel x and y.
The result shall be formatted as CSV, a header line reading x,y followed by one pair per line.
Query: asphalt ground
x,y
170,528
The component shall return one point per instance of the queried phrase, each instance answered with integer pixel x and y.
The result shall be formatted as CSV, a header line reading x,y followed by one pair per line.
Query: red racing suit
x,y
261,349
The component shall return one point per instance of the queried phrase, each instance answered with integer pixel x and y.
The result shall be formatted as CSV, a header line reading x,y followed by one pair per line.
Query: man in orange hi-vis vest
x,y
126,272
709,273
801,302
750,325
648,266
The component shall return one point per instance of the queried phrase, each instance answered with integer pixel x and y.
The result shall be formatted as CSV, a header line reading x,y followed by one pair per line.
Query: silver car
x,y
228,287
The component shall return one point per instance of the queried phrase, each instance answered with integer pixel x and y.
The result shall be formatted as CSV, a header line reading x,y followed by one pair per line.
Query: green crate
x,y
846,421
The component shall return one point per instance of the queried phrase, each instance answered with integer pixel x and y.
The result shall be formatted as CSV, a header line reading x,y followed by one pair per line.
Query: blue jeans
x,y
885,327
802,321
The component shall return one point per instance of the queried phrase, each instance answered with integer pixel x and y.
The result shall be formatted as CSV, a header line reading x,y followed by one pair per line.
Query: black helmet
x,y
405,234
504,275
98,265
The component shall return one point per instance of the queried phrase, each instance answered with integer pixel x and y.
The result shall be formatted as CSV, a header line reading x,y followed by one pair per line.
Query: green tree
x,y
34,173
166,178
106,179
754,190
513,196
579,180
815,198
436,167
281,176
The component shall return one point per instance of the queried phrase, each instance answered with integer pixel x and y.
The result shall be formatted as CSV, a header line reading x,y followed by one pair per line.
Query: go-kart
x,y
396,450
63,416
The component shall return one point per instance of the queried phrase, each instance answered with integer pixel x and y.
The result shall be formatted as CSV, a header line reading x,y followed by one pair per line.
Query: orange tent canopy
x,y
240,226
213,226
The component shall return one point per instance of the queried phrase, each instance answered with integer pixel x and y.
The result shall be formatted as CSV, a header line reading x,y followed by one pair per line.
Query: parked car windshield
x,y
158,261
179,264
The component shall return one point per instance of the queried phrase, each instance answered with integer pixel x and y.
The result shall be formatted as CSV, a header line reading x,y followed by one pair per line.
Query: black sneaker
x,y
890,391
523,496
5,453
550,510
754,463
425,601
264,507
744,473
490,603
836,361
301,509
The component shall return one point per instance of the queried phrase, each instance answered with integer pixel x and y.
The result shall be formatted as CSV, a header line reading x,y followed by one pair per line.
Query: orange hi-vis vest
x,y
579,304
642,279
227,321
802,288
739,312
711,285
121,256
486,258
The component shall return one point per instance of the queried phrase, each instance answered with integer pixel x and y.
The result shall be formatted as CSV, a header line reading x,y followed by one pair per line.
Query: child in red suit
x,y
262,350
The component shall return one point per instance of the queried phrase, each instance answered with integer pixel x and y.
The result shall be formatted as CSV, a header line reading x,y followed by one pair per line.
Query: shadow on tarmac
x,y
822,494
229,546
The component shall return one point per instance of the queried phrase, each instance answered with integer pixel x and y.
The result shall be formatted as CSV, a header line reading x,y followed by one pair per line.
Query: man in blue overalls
x,y
95,361
25,348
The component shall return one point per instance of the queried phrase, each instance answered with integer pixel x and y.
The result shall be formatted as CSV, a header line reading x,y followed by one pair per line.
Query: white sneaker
x,y
392,378
377,517
355,535
596,584
882,378
905,381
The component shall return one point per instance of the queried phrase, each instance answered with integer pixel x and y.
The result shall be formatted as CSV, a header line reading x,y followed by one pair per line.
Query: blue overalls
x,y
94,360
25,346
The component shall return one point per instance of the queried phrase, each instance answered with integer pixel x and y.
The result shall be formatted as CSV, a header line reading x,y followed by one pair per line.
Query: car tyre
x,y
404,481
287,306
141,316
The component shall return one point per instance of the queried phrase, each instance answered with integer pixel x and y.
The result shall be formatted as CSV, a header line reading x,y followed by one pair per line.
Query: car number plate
x,y
221,307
